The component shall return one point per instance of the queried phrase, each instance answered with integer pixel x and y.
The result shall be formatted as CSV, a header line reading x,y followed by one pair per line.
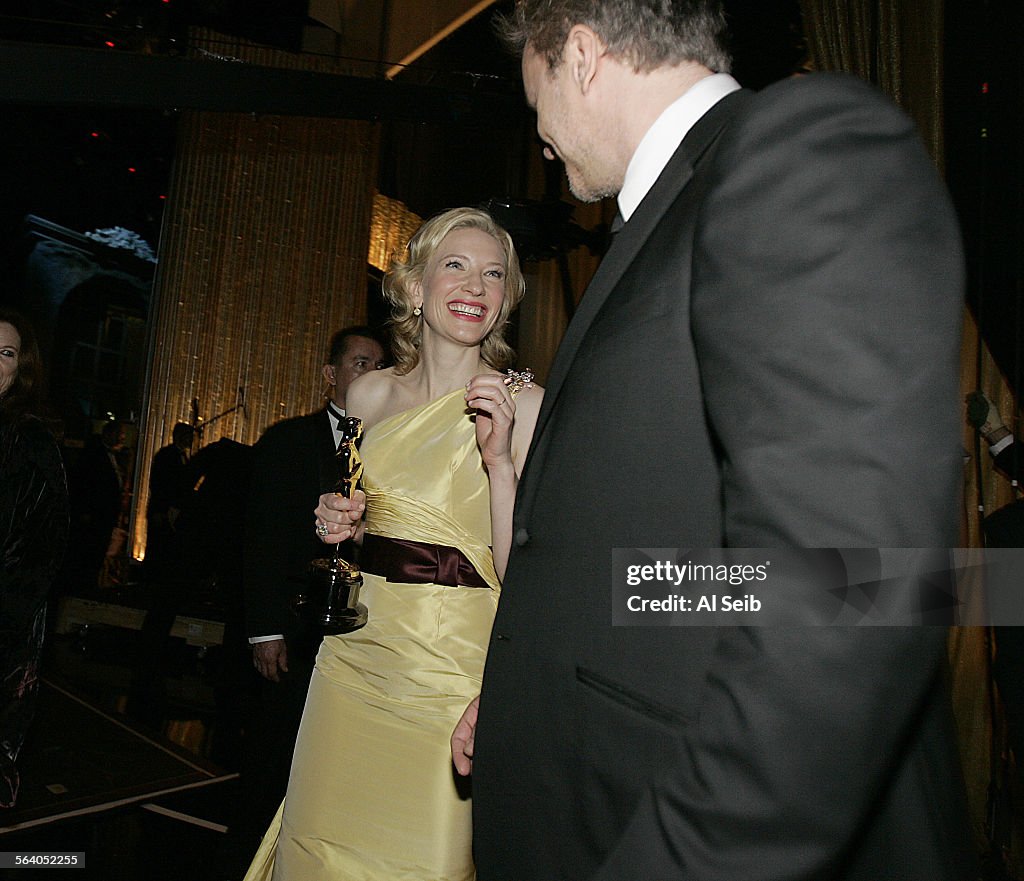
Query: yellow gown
x,y
372,794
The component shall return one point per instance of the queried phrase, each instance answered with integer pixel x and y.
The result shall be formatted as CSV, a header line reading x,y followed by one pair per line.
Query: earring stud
x,y
417,311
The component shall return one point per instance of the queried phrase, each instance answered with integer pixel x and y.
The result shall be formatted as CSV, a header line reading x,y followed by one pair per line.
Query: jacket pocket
x,y
629,699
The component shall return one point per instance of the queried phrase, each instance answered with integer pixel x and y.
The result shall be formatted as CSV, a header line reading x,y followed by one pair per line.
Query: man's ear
x,y
583,51
329,375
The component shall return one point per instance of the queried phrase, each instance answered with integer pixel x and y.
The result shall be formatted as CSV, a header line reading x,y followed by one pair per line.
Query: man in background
x,y
96,488
293,464
168,485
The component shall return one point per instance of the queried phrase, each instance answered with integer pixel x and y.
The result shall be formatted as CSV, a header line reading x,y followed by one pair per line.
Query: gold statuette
x,y
332,600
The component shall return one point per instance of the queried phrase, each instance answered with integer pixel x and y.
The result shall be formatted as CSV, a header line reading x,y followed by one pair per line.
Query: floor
x,y
133,760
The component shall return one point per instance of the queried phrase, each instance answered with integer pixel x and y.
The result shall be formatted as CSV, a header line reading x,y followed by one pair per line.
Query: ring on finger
x,y
321,529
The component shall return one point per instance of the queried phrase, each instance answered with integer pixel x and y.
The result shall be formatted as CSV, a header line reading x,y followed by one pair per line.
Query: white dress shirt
x,y
664,137
335,414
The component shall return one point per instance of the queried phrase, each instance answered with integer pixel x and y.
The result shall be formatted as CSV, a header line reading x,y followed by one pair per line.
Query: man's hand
x,y
463,737
270,658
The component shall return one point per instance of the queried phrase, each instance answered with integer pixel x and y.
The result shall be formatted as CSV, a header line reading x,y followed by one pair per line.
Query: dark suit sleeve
x,y
167,480
826,310
279,537
1009,461
33,523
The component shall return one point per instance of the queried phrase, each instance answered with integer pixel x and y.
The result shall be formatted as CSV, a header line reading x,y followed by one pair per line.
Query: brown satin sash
x,y
417,562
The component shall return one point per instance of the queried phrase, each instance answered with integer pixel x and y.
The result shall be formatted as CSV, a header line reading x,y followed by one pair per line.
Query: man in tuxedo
x,y
767,357
1004,528
168,485
1002,445
293,463
96,487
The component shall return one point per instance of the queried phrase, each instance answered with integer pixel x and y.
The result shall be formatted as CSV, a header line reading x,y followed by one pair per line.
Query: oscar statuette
x,y
332,597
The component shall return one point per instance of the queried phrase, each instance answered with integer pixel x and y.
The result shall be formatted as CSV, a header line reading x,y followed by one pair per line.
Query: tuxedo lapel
x,y
327,466
626,244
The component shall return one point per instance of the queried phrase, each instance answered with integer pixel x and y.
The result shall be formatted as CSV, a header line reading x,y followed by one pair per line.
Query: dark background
x,y
91,167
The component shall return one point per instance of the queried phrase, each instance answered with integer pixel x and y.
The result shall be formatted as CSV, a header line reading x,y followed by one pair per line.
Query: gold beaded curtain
x,y
263,256
898,45
391,227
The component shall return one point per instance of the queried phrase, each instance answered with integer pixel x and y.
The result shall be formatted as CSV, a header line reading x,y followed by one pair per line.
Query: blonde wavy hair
x,y
406,270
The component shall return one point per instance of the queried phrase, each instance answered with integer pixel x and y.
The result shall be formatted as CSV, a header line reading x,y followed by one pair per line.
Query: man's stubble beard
x,y
591,193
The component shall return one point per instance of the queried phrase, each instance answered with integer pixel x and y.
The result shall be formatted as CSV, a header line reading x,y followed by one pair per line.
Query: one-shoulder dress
x,y
372,794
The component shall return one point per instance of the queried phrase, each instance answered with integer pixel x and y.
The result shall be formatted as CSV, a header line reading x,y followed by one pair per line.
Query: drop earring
x,y
417,311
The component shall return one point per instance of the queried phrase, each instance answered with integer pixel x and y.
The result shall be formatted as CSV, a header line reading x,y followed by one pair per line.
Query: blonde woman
x,y
372,793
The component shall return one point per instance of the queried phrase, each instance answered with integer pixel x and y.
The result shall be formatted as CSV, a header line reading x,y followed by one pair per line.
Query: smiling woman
x,y
463,287
446,436
405,282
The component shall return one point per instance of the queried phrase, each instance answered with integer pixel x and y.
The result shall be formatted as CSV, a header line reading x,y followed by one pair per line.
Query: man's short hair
x,y
111,431
647,34
340,340
182,433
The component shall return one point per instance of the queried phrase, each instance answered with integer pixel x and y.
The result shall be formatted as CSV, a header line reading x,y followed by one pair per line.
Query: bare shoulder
x,y
528,403
370,395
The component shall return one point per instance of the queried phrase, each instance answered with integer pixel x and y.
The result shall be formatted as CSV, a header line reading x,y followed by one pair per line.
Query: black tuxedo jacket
x,y
767,356
293,464
169,486
168,480
96,489
1008,460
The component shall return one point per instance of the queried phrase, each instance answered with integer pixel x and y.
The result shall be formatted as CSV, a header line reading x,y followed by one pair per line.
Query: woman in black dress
x,y
33,532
